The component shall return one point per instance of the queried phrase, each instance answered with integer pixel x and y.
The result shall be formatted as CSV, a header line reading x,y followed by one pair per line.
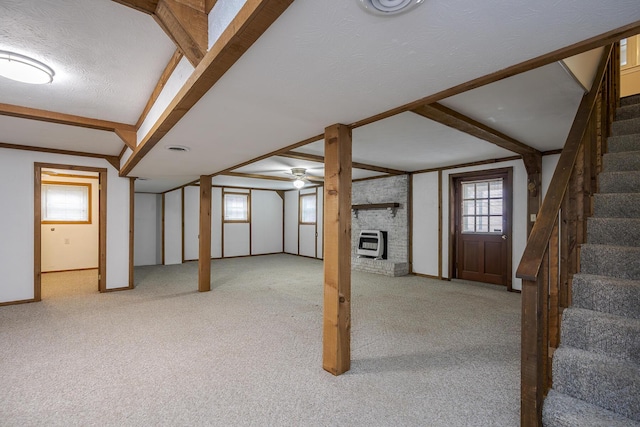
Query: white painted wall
x,y
291,222
71,246
146,239
216,222
549,164
173,227
17,242
266,222
236,239
425,223
191,223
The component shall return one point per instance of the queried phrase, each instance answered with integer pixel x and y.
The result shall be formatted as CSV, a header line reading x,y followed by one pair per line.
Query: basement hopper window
x,y
236,207
66,203
308,208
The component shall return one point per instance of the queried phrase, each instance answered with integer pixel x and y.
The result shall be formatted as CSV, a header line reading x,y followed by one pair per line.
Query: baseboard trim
x,y
23,301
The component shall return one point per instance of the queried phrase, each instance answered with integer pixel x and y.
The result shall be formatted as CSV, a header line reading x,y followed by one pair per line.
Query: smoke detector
x,y
388,7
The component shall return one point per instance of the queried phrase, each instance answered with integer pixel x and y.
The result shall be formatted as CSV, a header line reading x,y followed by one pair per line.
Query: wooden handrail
x,y
544,292
531,260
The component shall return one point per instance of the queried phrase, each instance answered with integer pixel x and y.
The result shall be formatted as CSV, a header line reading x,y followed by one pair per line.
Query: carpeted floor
x,y
69,283
424,352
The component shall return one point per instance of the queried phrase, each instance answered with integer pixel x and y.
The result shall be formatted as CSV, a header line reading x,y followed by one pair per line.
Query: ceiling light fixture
x,y
177,148
24,69
298,183
388,7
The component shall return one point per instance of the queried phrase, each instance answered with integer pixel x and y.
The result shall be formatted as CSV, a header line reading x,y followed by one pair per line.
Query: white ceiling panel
x,y
107,57
329,62
536,108
411,142
61,137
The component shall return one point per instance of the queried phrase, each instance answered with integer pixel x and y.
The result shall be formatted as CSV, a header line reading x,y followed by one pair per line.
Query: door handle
x,y
504,237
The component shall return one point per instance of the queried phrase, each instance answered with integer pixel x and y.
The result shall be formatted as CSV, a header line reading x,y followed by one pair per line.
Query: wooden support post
x,y
533,165
336,350
204,256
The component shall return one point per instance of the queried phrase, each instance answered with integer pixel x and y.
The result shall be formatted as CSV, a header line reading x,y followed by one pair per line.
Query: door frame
x,y
454,215
37,224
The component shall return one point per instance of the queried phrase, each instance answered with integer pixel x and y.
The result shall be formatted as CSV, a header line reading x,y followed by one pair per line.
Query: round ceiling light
x,y
388,7
24,69
177,148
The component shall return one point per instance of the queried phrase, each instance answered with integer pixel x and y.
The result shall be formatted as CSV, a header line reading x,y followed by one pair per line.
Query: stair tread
x,y
561,410
598,379
607,294
616,205
609,231
602,333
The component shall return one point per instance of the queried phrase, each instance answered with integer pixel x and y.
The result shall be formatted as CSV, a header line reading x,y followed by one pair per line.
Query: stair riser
x,y
618,162
600,333
560,410
625,127
628,112
610,261
606,295
630,100
619,182
614,231
609,384
616,205
618,144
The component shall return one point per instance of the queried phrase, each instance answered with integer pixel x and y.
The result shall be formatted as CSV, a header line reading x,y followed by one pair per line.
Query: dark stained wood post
x,y
533,165
336,350
204,256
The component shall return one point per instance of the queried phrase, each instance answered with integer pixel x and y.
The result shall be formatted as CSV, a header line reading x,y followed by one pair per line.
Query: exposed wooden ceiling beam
x,y
168,70
548,58
458,121
113,160
146,6
251,21
355,165
61,118
187,25
255,176
209,5
186,22
124,131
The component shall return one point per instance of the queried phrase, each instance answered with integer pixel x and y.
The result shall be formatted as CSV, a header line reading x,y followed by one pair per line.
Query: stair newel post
x,y
534,364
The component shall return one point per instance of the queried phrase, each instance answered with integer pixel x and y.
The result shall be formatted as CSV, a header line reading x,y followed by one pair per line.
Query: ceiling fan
x,y
300,175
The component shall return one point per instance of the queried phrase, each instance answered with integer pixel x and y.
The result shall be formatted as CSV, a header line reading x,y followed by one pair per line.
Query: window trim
x,y
68,184
224,208
300,197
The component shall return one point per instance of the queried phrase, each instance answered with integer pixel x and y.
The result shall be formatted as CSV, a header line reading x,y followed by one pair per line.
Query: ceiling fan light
x,y
298,183
24,69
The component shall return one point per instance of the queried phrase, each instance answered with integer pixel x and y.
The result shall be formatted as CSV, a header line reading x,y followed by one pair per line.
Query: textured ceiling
x,y
328,62
107,57
320,63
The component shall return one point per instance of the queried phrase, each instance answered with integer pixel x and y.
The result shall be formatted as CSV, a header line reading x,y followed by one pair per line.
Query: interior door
x,y
483,227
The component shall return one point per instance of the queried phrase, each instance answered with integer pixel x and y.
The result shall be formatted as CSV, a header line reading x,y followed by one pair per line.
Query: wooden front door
x,y
482,214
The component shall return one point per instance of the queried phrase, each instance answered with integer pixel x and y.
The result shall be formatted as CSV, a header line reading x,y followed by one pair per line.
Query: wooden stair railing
x,y
551,256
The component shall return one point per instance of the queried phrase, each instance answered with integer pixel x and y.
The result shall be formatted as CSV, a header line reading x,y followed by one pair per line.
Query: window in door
x,y
308,208
482,206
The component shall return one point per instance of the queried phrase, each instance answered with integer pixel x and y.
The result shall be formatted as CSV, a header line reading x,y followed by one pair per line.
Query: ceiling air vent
x,y
388,7
178,148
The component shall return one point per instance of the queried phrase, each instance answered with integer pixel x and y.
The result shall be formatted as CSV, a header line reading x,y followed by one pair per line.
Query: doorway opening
x,y
481,217
69,230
